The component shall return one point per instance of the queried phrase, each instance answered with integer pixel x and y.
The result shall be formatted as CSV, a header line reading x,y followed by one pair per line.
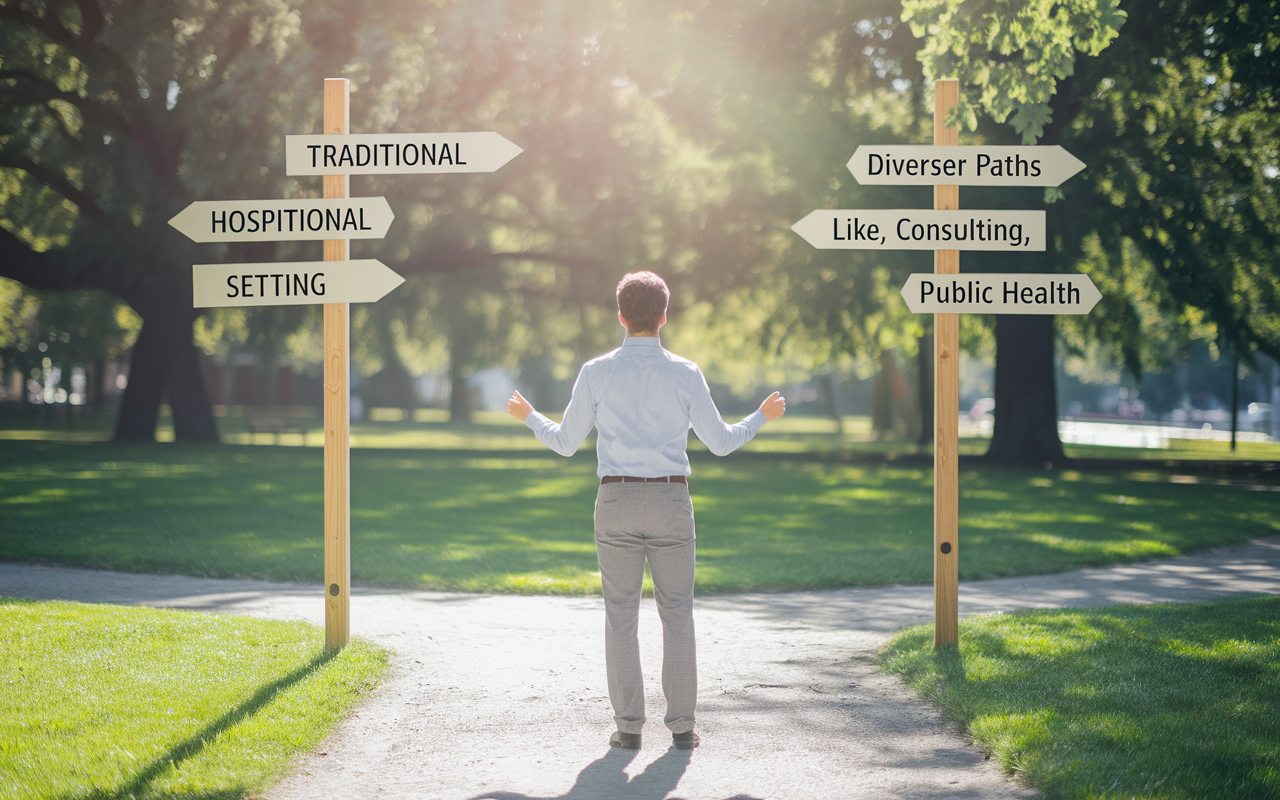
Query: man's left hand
x,y
774,406
518,407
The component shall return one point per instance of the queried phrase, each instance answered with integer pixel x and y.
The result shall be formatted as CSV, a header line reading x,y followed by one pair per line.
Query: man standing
x,y
643,400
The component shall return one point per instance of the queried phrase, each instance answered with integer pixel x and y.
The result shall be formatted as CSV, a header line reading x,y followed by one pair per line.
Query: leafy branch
x,y
1009,54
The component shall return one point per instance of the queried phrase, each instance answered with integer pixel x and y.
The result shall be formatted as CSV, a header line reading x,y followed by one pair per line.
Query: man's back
x,y
642,395
642,400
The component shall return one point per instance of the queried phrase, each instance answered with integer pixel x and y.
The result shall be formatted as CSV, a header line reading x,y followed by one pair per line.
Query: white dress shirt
x,y
642,400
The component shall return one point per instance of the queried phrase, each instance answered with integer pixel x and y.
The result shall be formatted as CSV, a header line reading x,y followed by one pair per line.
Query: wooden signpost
x,y
334,282
946,404
337,402
945,293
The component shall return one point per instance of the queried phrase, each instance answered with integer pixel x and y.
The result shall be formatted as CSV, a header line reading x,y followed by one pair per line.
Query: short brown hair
x,y
642,300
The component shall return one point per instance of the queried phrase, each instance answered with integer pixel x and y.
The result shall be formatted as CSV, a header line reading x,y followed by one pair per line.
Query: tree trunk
x,y
890,392
1275,400
189,399
831,390
96,385
164,358
1026,413
537,380
459,393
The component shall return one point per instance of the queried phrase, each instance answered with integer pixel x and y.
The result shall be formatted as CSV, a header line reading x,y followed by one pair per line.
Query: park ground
x,y
480,510
486,508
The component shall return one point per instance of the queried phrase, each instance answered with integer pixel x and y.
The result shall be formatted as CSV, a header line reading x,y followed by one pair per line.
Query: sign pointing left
x,y
291,283
284,220
922,229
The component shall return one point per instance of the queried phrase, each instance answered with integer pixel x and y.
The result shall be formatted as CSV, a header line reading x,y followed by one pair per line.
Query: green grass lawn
x,y
1170,702
114,702
393,428
520,521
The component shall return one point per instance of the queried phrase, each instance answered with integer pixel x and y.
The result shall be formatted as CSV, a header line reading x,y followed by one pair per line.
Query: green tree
x,y
1176,122
113,116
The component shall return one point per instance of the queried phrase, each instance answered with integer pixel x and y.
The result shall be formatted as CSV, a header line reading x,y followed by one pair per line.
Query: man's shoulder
x,y
680,361
624,359
603,359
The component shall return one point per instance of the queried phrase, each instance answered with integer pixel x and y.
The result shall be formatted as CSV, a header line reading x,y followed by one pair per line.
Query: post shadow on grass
x,y
950,663
605,777
192,746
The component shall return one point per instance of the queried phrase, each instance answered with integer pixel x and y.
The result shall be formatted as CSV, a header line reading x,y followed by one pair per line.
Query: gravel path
x,y
496,696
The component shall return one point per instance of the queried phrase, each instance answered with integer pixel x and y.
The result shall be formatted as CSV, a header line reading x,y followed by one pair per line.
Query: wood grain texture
x,y
337,403
946,405
946,479
945,96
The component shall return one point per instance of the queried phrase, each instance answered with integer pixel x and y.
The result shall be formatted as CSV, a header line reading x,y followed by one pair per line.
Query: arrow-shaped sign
x,y
291,283
962,165
998,293
283,220
396,153
922,229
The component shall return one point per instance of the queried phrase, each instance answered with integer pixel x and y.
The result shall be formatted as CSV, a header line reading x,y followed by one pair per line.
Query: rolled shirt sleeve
x,y
719,437
579,419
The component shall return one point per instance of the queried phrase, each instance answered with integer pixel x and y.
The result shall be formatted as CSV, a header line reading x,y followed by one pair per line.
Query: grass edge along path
x,y
1155,701
125,702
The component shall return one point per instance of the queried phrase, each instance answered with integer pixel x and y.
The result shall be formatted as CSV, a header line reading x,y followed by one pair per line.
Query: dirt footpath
x,y
504,697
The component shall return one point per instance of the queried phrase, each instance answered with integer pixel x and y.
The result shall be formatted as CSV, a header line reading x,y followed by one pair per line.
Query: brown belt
x,y
629,479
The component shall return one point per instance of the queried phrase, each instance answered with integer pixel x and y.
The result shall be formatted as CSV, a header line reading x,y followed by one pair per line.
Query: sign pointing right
x,y
291,283
962,165
396,153
999,293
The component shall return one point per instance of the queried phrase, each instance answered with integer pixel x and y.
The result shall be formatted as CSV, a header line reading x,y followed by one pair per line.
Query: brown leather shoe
x,y
625,741
685,741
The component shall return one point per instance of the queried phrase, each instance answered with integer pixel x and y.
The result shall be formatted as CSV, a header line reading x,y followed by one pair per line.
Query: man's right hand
x,y
518,407
774,406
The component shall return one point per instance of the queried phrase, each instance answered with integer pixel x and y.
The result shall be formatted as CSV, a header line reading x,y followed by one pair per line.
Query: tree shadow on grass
x,y
192,746
1178,695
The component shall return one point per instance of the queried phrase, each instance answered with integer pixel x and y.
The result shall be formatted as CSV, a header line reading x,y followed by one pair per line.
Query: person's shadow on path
x,y
604,779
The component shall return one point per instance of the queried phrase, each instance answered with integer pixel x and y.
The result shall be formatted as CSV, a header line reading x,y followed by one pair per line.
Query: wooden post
x,y
946,406
337,397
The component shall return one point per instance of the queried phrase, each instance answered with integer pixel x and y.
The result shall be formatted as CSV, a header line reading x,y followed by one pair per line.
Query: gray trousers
x,y
635,521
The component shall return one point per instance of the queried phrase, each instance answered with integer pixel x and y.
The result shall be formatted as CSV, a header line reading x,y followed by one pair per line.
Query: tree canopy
x,y
1174,216
681,137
